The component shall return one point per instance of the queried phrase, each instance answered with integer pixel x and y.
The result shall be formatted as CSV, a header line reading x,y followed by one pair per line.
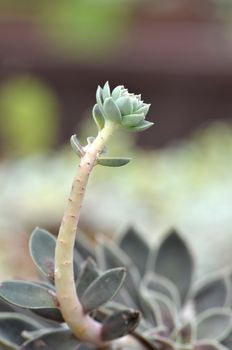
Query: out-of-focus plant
x,y
28,116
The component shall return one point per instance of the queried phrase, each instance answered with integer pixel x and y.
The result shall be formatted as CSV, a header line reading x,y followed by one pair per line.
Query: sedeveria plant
x,y
113,296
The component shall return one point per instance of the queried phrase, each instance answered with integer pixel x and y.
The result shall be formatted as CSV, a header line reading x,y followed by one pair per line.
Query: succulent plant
x,y
95,300
121,107
158,289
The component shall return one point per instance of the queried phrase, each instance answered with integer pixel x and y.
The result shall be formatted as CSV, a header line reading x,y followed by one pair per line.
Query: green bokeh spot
x,y
28,116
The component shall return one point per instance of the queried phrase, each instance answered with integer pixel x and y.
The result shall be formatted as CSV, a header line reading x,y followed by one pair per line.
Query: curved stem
x,y
82,325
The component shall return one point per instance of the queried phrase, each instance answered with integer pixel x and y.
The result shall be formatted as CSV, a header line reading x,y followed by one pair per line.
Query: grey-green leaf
x,y
144,125
212,293
132,120
209,345
106,90
76,146
87,275
160,284
103,289
116,93
144,109
113,161
12,325
124,103
174,261
136,248
42,249
119,324
214,324
98,117
26,294
59,339
111,110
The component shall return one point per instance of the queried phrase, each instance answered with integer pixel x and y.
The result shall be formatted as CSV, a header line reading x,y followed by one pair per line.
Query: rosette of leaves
x,y
30,317
121,107
175,312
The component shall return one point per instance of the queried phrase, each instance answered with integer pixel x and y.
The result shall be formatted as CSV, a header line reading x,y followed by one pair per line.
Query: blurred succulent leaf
x,y
119,324
212,292
167,311
12,325
88,274
186,334
84,247
162,285
42,250
59,339
227,342
136,248
164,343
150,308
174,261
214,324
98,117
103,289
208,345
113,162
110,256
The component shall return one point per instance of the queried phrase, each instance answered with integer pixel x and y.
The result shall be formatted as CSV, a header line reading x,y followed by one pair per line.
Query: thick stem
x,y
82,325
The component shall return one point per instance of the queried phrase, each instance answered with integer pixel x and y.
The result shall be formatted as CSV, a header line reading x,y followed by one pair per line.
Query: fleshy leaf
x,y
103,289
99,99
113,162
111,110
106,91
136,248
144,125
12,325
110,256
167,311
164,343
208,345
132,120
26,294
162,285
119,324
116,93
42,249
59,339
212,293
76,146
214,324
88,274
144,109
187,333
124,103
174,261
98,117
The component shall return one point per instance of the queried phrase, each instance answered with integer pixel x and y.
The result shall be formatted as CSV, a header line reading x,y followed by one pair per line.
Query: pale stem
x,y
81,324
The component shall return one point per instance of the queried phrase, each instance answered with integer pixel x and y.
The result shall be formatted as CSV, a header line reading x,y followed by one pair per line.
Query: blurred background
x,y
178,54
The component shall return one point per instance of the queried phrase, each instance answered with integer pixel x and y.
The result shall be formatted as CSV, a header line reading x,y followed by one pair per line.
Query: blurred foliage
x,y
86,25
28,115
77,26
187,185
